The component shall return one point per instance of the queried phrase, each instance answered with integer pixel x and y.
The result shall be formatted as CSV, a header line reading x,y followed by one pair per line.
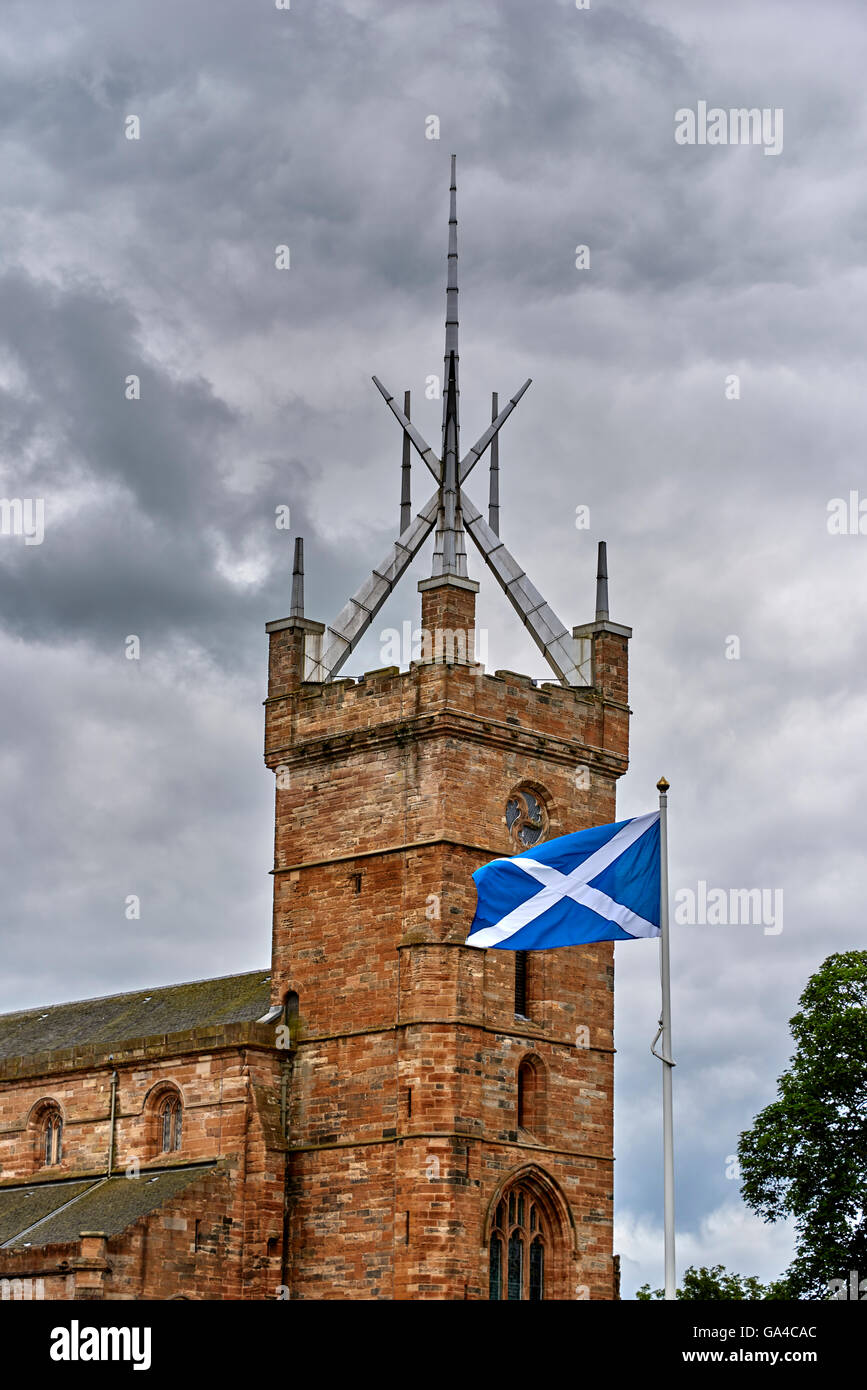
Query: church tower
x,y
449,1110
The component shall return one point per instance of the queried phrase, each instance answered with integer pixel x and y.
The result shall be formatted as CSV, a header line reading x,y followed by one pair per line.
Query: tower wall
x,y
403,1107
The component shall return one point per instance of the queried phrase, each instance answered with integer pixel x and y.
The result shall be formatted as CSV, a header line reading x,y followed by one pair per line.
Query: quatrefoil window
x,y
526,819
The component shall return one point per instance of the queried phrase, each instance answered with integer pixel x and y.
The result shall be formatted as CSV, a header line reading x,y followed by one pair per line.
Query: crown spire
x,y
451,513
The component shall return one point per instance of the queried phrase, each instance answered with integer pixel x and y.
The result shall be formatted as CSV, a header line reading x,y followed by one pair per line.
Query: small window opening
x,y
521,1000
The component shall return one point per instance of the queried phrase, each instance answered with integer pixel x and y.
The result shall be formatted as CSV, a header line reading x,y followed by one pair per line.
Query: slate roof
x,y
58,1212
21,1206
118,1018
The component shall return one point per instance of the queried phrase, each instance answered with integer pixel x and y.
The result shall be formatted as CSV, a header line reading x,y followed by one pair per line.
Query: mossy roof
x,y
56,1213
144,1013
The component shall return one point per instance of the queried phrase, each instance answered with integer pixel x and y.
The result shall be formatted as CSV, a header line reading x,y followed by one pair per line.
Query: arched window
x,y
519,1236
169,1128
531,1095
52,1136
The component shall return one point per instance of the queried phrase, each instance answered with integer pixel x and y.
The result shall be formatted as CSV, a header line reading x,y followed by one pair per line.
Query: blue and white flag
x,y
600,884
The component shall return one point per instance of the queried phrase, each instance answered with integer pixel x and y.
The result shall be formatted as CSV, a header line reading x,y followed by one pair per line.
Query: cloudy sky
x,y
155,257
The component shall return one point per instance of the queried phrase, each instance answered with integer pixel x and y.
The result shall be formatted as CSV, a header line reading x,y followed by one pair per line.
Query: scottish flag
x,y
600,884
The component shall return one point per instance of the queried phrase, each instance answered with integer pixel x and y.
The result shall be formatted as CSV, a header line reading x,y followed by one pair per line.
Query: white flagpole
x,y
665,1058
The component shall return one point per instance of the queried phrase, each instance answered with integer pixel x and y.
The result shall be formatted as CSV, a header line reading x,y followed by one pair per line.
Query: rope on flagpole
x,y
665,1055
659,1055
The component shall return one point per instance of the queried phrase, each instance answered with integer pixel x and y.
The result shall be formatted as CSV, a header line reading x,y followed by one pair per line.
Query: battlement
x,y
390,705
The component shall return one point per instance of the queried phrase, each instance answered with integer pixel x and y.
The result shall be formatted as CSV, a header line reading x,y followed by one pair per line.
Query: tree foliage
x,y
715,1282
806,1153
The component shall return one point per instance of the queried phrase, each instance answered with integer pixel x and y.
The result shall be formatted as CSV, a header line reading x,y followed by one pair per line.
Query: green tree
x,y
806,1153
716,1282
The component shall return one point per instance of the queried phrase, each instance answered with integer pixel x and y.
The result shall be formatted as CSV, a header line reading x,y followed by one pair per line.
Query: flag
x,y
600,884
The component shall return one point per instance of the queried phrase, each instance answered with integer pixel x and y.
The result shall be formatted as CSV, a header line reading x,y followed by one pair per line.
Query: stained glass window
x,y
525,819
496,1275
170,1114
516,1266
517,1248
52,1137
537,1269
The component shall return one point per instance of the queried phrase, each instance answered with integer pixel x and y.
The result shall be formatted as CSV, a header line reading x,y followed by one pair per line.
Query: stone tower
x,y
449,1109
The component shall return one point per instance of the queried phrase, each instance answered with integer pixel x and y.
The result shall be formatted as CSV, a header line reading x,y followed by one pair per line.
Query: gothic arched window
x,y
517,1248
169,1128
52,1136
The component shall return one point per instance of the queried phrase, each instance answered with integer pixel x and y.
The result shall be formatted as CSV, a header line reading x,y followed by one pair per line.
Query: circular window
x,y
526,819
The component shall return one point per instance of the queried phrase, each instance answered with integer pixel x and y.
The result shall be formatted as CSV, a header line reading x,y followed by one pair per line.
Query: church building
x,y
384,1112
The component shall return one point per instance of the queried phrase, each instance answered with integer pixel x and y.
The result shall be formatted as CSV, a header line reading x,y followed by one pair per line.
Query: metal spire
x,y
297,608
602,583
494,493
450,510
452,317
450,549
405,492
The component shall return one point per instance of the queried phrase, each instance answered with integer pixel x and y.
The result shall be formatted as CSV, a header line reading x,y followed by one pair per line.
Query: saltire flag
x,y
600,884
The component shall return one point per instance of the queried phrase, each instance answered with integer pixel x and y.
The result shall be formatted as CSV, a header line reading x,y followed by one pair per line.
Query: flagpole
x,y
667,1063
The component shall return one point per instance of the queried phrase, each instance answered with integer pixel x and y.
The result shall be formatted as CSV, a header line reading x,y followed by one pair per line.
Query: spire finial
x,y
297,607
494,493
405,474
602,583
452,314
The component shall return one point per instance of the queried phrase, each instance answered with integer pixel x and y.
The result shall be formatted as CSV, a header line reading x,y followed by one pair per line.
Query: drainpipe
x,y
111,1122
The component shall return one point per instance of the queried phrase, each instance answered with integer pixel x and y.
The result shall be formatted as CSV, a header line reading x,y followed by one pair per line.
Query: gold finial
x,y
662,785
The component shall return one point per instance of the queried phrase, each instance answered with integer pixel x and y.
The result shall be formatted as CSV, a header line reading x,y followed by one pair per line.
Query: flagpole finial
x,y
662,786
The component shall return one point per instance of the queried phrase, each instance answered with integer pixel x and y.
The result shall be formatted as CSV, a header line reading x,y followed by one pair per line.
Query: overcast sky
x,y
156,257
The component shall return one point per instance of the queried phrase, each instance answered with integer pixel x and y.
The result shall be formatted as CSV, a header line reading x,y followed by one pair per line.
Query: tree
x,y
806,1153
715,1283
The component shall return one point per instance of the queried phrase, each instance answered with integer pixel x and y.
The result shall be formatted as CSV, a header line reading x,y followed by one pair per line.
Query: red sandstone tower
x,y
449,1109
